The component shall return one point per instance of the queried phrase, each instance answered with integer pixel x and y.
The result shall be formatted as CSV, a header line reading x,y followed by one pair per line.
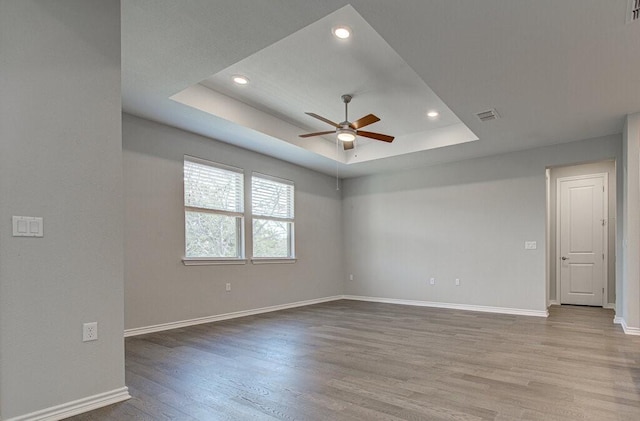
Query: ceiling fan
x,y
347,131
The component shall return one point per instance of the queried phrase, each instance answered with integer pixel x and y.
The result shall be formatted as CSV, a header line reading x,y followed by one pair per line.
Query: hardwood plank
x,y
350,360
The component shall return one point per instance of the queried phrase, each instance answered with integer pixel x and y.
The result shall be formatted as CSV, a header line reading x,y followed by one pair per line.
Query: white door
x,y
582,218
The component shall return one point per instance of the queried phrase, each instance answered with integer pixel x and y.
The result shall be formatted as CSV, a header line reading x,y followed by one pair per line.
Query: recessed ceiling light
x,y
240,80
433,114
342,32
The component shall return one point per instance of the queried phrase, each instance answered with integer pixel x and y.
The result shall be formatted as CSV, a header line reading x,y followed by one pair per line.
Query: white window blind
x,y
271,198
213,187
272,203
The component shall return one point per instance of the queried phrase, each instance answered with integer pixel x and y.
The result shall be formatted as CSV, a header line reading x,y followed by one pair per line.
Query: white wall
x,y
60,158
160,289
466,220
629,306
599,167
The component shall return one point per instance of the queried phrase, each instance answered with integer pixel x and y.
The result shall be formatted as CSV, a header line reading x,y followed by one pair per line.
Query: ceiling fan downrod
x,y
346,98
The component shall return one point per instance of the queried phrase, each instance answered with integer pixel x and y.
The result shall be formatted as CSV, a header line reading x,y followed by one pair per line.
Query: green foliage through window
x,y
211,235
271,238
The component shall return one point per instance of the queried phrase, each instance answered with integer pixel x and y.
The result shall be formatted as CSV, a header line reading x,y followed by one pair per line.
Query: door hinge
x,y
602,256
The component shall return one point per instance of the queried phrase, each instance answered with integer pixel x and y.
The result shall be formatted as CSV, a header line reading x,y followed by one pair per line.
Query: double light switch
x,y
27,226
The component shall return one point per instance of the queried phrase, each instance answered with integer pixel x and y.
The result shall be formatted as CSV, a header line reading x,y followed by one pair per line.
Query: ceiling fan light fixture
x,y
341,32
433,114
346,134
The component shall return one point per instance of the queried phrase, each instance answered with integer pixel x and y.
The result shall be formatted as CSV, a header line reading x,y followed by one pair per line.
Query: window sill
x,y
271,260
194,261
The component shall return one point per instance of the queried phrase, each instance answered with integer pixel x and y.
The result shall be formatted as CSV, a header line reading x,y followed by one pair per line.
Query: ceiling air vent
x,y
633,11
489,115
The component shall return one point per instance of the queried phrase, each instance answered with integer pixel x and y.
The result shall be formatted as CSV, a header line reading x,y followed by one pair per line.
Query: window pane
x,y
271,238
211,235
210,187
271,198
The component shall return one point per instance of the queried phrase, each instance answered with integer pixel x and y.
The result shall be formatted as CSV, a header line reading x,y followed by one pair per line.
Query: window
x,y
273,217
213,210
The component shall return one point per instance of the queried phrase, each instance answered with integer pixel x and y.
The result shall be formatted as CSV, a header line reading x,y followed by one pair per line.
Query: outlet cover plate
x,y
90,332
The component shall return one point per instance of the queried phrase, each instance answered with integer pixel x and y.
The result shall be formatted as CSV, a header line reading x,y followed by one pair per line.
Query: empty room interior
x,y
319,210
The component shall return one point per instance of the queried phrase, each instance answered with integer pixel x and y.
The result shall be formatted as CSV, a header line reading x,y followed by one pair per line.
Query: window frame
x,y
291,257
240,218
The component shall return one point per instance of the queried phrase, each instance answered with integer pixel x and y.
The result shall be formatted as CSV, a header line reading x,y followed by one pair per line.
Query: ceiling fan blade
x,y
336,125
364,121
376,136
347,145
316,134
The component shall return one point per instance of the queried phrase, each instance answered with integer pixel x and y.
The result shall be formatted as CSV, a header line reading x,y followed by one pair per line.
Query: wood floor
x,y
349,360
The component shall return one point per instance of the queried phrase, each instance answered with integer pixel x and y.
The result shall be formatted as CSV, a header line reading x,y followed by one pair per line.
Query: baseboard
x,y
466,307
627,330
79,406
226,316
553,303
617,320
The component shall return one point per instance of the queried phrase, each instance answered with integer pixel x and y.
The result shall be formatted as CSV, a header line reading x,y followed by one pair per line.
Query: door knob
x,y
564,258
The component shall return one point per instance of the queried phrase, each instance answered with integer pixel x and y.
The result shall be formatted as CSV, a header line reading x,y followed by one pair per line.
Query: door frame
x,y
605,234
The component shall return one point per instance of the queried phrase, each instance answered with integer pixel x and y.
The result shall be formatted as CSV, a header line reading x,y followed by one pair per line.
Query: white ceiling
x,y
555,71
310,70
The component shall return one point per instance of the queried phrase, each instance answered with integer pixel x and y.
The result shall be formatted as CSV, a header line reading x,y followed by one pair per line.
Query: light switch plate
x,y
27,226
530,245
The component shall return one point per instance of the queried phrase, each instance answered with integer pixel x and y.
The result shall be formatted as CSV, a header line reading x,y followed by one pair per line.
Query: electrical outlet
x,y
90,332
457,282
432,281
228,287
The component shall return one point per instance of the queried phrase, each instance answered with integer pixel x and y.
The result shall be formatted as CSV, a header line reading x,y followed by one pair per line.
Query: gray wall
x,y
608,167
60,158
628,306
466,220
160,289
